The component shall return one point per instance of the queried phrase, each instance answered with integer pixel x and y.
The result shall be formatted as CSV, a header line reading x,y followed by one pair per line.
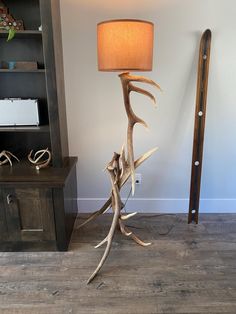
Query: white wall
x,y
96,116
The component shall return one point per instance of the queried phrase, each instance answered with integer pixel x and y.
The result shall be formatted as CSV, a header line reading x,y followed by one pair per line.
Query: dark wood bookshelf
x,y
32,200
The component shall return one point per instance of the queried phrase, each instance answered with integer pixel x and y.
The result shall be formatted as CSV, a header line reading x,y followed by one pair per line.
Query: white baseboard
x,y
153,205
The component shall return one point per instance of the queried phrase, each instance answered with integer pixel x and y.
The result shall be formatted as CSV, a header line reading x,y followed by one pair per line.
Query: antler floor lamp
x,y
124,46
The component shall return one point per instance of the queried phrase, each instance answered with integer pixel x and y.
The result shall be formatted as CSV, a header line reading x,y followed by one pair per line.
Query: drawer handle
x,y
9,199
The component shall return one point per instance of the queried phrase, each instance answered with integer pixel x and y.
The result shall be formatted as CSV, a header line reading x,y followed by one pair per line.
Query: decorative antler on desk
x,y
7,158
38,159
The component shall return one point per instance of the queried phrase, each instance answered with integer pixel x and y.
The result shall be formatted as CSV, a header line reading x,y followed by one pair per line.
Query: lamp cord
x,y
128,197
151,216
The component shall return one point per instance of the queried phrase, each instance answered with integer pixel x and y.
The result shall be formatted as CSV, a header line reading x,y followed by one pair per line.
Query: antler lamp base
x,y
121,168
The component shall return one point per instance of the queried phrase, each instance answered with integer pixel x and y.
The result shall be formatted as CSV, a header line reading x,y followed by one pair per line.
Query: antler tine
x,y
122,151
40,153
139,241
108,239
126,217
122,229
133,88
7,157
30,158
141,79
5,161
9,153
131,158
130,149
101,243
97,213
129,233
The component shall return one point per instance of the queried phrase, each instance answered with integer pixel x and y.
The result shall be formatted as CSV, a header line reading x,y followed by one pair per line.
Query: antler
x,y
120,169
113,169
37,158
128,87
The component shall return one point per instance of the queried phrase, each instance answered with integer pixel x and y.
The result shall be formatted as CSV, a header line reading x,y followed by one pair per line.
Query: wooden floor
x,y
190,270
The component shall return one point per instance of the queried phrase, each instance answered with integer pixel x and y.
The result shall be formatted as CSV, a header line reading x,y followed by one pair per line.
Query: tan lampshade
x,y
125,45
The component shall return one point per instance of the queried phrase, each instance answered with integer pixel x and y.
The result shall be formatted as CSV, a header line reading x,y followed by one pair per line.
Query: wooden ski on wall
x,y
199,127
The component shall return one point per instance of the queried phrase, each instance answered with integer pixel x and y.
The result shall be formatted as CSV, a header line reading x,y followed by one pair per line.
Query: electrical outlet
x,y
138,178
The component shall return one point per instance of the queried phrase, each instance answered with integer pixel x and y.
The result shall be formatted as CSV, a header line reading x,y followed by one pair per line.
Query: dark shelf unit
x,y
37,209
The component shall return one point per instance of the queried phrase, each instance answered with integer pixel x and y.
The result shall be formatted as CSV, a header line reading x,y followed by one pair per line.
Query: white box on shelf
x,y
19,112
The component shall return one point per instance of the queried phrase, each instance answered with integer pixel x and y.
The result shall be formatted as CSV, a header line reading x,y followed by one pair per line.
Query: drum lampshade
x,y
125,45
